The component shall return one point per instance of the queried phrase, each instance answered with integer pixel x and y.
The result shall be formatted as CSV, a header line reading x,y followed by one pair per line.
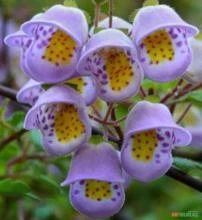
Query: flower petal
x,y
146,116
110,57
96,198
86,87
161,37
147,155
53,51
30,92
165,54
62,119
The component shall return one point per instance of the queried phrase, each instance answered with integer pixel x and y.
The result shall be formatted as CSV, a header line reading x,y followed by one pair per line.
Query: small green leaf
x,y
13,187
17,119
88,17
150,3
153,98
32,196
70,3
99,1
46,180
185,164
199,36
133,15
195,97
96,139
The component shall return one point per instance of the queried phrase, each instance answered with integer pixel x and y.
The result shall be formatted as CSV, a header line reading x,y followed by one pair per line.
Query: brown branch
x,y
11,138
188,155
185,178
184,113
110,13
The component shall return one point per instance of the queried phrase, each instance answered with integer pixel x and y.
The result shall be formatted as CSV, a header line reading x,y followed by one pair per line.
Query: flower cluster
x,y
77,66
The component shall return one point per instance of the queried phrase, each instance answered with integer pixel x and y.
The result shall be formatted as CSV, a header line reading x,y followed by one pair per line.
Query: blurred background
x,y
34,192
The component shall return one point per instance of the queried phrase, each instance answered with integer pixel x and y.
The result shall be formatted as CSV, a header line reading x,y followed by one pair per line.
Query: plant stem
x,y
97,14
110,13
184,113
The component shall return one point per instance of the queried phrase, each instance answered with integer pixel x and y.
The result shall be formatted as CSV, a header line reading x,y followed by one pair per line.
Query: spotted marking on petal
x,y
143,145
68,125
77,83
118,68
159,47
98,190
60,49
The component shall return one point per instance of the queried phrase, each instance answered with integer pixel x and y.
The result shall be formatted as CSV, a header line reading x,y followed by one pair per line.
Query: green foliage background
x,y
31,189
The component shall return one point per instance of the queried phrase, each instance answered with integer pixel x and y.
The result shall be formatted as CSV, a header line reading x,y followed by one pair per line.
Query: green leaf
x,y
199,36
186,165
88,17
99,1
153,98
195,97
150,3
13,187
133,15
96,139
32,196
17,119
49,182
36,138
70,3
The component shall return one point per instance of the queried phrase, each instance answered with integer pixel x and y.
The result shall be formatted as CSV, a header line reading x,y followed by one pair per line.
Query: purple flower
x,y
196,133
150,134
60,115
85,86
59,33
96,182
161,37
117,23
110,57
30,92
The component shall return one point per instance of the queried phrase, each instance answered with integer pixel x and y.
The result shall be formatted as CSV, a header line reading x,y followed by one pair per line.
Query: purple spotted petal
x,y
30,92
146,155
110,57
146,116
97,199
60,115
57,43
161,37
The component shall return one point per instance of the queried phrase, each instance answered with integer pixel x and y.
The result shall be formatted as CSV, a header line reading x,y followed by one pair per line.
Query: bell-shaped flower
x,y
59,34
96,182
30,92
85,86
194,71
110,57
60,115
117,23
150,134
196,133
161,38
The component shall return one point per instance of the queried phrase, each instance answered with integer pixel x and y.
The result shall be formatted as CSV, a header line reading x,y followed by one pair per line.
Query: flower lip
x,y
149,116
102,42
49,97
96,163
179,132
51,20
153,18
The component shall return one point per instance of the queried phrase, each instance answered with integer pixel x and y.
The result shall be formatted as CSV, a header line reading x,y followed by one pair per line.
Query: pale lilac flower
x,y
30,92
161,37
110,57
59,34
150,134
96,182
117,23
61,117
194,71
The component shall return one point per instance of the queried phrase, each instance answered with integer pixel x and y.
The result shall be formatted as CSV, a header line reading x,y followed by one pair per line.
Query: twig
x,y
11,138
110,13
97,14
142,92
184,113
184,178
188,155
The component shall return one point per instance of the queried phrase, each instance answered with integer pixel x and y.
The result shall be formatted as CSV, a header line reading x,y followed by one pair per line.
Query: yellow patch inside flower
x,y
159,47
98,190
68,125
61,49
77,83
143,145
118,67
